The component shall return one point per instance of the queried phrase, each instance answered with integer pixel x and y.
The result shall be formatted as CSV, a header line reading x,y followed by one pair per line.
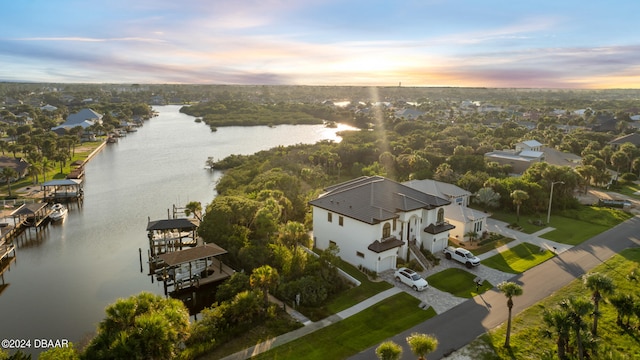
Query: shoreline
x,y
33,192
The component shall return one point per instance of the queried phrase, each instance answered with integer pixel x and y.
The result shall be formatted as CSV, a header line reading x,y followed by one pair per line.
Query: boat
x,y
58,213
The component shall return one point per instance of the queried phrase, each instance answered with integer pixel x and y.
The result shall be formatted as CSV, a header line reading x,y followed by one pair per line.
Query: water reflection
x,y
65,275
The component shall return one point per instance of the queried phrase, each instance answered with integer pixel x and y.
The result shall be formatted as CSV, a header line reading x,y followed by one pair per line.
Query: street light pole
x,y
551,198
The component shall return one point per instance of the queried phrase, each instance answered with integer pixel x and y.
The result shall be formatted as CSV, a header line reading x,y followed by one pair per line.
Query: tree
x,y
509,289
624,304
519,196
195,208
8,175
558,320
577,309
487,198
388,350
599,284
422,344
264,278
144,326
60,353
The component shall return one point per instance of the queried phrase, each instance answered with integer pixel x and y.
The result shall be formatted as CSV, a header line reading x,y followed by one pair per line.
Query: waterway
x,y
64,278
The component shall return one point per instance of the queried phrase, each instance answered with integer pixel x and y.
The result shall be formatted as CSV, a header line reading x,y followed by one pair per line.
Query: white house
x,y
373,220
465,219
83,118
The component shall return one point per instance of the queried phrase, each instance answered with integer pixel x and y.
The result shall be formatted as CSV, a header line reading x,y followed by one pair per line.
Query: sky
x,y
581,44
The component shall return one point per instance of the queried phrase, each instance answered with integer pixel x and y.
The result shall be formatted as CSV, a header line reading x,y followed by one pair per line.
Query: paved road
x,y
465,322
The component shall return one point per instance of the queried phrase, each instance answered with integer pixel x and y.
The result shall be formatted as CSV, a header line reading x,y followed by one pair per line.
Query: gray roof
x,y
437,188
375,199
170,224
81,116
633,138
195,253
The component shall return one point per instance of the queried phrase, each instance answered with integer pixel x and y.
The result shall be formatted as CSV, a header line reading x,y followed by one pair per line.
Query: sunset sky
x,y
490,43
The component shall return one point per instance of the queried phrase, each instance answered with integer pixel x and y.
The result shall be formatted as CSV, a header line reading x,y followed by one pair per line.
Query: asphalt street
x,y
462,324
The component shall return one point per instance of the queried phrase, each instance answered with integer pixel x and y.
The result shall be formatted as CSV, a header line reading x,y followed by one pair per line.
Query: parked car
x,y
411,278
461,255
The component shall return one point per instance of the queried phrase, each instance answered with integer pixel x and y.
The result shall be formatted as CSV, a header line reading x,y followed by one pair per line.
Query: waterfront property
x,y
193,267
169,235
374,220
62,190
31,215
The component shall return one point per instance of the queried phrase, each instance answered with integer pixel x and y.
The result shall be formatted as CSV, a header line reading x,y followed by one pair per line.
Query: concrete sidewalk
x,y
520,237
309,325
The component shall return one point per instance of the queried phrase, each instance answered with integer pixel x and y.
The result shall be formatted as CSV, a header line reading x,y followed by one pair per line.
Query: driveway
x,y
442,301
463,323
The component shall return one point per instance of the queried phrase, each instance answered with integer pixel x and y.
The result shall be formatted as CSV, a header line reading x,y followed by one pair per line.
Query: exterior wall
x,y
353,239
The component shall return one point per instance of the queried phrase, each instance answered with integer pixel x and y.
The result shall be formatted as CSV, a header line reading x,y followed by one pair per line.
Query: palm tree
x,y
264,278
195,208
624,304
598,284
558,320
509,289
422,344
577,309
518,197
8,174
389,350
487,197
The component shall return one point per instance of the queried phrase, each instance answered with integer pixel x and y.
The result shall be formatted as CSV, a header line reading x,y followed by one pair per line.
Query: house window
x,y
360,254
440,216
340,221
478,227
386,230
329,217
394,224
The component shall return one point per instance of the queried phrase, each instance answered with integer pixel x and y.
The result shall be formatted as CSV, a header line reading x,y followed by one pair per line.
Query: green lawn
x,y
572,227
518,259
457,282
356,333
527,340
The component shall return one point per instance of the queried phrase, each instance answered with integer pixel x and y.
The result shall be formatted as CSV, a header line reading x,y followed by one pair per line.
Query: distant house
x,y
465,219
408,114
48,108
560,158
630,138
83,118
520,158
19,165
374,220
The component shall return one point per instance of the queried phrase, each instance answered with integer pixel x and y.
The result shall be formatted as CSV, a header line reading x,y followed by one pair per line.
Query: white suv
x,y
411,278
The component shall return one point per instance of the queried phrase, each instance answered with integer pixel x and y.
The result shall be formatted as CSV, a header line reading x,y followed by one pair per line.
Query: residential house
x,y
633,138
465,219
374,220
520,158
408,114
83,118
19,165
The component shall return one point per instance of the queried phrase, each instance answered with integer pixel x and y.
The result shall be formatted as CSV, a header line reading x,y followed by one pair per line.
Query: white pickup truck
x,y
461,255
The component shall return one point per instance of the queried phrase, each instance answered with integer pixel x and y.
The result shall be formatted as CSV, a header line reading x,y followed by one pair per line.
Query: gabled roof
x,y
463,214
195,253
82,116
19,165
29,209
375,199
632,138
532,143
437,188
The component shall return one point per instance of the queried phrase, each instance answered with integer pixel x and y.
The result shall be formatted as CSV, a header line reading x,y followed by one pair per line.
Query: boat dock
x,y
63,191
194,267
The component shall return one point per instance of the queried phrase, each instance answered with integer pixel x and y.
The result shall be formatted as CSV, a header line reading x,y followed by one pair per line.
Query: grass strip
x,y
356,333
519,258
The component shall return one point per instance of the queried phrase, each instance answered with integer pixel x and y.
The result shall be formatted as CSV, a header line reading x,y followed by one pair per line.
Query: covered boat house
x,y
193,267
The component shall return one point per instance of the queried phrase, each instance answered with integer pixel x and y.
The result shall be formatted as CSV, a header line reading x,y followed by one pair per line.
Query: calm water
x,y
61,283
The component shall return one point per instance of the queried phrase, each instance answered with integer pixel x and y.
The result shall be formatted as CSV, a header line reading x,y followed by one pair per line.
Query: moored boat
x,y
58,213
